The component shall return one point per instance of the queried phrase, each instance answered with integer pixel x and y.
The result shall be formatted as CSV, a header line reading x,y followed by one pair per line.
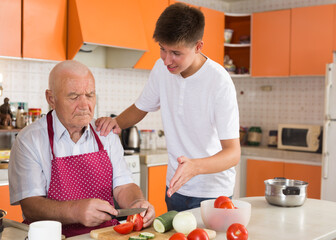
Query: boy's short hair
x,y
179,24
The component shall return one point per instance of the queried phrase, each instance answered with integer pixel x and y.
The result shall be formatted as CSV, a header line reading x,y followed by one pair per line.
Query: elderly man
x,y
60,169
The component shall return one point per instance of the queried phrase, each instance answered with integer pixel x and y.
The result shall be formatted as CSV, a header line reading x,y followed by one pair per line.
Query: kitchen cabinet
x,y
270,43
157,188
334,31
238,50
153,181
311,39
10,28
13,212
260,170
213,34
150,11
44,31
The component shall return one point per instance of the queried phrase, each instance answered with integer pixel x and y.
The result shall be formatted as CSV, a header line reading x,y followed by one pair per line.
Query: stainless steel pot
x,y
285,192
3,213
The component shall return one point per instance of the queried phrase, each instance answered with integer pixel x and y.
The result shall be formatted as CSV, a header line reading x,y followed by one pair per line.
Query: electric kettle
x,y
130,139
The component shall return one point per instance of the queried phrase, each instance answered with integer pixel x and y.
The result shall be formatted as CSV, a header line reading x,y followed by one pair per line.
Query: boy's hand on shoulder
x,y
107,124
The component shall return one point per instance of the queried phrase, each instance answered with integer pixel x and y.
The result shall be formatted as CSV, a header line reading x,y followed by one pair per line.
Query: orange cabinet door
x,y
257,171
311,39
308,173
44,29
150,11
270,43
10,28
157,188
213,37
334,27
13,212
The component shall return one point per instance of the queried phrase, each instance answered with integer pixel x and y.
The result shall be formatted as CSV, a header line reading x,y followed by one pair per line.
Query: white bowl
x,y
220,219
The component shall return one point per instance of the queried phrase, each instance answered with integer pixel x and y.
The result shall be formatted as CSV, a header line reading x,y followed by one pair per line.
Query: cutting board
x,y
109,234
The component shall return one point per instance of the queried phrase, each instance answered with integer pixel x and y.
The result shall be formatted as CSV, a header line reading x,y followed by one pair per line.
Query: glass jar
x,y
254,136
145,136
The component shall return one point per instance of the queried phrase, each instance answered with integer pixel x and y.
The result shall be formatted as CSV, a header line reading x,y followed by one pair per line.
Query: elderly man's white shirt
x,y
30,159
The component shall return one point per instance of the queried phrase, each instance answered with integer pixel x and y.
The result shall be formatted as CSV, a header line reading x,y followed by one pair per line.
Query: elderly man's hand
x,y
149,215
92,212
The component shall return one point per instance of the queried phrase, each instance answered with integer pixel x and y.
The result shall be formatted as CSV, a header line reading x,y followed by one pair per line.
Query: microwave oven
x,y
300,137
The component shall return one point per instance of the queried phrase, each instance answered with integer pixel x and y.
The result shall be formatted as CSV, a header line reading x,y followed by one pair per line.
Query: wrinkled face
x,y
75,100
179,58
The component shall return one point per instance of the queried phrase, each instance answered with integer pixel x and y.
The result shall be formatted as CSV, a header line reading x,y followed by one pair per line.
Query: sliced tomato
x,y
137,220
124,228
223,202
178,236
237,231
198,234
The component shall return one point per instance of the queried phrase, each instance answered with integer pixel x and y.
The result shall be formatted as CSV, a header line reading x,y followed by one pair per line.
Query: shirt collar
x,y
60,130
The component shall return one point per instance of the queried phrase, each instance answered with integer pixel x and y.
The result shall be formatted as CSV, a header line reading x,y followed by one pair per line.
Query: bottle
x,y
254,136
153,140
273,138
20,121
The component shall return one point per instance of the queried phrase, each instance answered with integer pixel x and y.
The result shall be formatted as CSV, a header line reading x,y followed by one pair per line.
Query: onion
x,y
184,222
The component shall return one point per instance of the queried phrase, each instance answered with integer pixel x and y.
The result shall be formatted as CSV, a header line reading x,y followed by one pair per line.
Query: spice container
x,y
254,136
145,139
35,113
273,138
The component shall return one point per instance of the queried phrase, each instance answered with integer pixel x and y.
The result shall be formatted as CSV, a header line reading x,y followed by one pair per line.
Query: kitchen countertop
x,y
315,219
152,157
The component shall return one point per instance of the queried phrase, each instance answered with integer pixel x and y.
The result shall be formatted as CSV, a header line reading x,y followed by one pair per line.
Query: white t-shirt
x,y
197,112
29,169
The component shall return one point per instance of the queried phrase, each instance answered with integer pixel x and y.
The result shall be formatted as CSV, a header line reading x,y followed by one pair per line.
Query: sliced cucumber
x,y
147,235
136,238
164,222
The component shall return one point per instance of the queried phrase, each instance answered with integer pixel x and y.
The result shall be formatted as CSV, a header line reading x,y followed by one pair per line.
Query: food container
x,y
254,136
228,35
3,213
285,192
219,219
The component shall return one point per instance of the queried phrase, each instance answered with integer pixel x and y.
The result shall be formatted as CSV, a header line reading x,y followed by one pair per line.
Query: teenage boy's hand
x,y
106,124
184,172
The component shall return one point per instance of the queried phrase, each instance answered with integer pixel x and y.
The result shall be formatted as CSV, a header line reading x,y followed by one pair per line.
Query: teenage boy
x,y
199,111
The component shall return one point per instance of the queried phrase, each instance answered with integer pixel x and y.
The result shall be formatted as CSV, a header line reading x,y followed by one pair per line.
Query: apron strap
x,y
100,145
51,134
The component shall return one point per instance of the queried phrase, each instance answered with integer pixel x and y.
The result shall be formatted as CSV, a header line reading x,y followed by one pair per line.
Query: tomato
x,y
137,220
223,202
198,234
124,228
178,236
237,231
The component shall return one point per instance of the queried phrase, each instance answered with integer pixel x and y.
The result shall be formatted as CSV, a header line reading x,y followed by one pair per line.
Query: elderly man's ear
x,y
50,98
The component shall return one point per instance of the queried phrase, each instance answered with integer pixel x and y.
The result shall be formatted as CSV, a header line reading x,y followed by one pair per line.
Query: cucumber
x,y
136,238
164,222
147,235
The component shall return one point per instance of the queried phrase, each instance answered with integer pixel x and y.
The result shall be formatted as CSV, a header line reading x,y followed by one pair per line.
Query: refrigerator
x,y
328,188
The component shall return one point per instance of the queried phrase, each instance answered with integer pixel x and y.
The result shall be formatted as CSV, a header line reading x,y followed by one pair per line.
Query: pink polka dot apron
x,y
79,177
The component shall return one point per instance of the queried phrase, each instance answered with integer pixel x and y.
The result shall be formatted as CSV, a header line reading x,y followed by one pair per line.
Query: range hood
x,y
105,33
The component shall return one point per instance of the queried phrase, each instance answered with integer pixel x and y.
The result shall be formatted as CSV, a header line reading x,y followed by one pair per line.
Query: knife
x,y
127,211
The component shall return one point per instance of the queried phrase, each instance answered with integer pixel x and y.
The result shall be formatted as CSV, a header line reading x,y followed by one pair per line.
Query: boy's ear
x,y
199,46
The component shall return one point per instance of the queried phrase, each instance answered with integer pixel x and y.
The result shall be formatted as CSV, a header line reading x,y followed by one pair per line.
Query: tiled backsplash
x,y
26,81
292,100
